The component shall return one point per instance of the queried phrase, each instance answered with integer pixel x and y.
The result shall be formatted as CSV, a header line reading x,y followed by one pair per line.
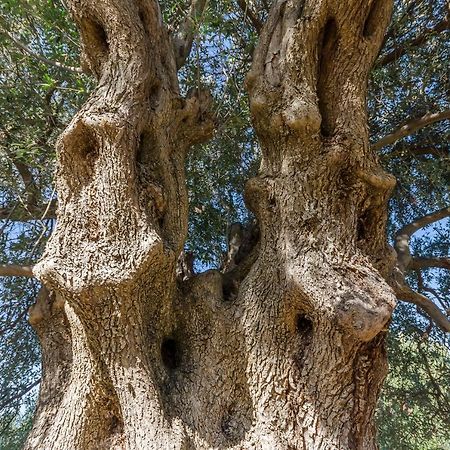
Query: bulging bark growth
x,y
285,349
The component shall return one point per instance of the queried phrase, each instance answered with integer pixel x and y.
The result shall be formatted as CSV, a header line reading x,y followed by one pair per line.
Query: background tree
x,y
405,88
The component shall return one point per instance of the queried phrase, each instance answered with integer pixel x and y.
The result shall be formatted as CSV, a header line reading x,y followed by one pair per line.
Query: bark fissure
x,y
327,52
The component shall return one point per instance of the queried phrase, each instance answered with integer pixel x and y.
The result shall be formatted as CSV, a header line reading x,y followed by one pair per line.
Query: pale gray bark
x,y
285,350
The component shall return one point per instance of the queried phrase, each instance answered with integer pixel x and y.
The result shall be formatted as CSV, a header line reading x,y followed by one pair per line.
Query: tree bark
x,y
284,351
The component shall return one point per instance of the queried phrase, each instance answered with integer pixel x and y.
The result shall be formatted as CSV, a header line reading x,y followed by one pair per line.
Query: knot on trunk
x,y
243,240
353,296
47,305
185,266
196,118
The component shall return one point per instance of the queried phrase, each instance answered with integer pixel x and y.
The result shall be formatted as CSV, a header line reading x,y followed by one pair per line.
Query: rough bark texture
x,y
285,350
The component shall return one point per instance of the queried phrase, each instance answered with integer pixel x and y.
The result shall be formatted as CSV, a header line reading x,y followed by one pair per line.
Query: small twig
x,y
250,15
40,58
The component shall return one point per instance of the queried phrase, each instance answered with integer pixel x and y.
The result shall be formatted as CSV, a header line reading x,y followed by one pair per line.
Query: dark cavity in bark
x,y
96,43
170,353
371,23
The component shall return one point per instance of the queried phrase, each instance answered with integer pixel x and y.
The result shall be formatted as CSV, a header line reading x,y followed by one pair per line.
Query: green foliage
x,y
14,428
415,84
36,102
414,411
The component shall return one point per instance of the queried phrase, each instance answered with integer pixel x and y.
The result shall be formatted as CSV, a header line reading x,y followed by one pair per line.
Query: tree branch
x,y
250,15
22,168
406,262
423,221
20,213
403,48
403,236
405,293
424,263
40,58
19,395
184,37
416,150
392,30
411,127
14,270
433,292
13,324
439,394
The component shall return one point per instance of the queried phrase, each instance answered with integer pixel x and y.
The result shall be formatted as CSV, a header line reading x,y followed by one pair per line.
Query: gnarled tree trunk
x,y
286,349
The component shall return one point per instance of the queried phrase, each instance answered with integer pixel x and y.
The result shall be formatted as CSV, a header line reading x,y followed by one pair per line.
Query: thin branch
x,y
403,48
425,263
411,127
24,213
19,395
185,35
250,15
423,288
392,30
416,150
40,58
14,270
14,323
405,293
439,394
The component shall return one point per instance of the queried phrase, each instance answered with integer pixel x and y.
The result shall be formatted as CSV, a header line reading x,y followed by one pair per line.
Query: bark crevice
x,y
329,43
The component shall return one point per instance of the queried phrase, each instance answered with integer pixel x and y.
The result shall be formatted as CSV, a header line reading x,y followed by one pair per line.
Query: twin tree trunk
x,y
284,351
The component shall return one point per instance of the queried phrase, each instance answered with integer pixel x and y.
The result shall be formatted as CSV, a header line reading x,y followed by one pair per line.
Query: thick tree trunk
x,y
286,349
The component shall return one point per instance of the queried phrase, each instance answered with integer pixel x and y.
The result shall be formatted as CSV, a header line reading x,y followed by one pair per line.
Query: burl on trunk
x,y
286,349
